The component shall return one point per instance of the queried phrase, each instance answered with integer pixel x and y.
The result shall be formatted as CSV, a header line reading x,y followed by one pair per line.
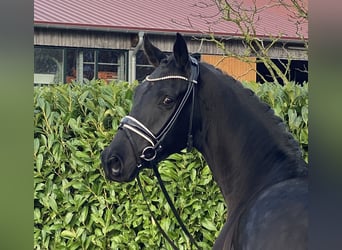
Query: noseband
x,y
131,124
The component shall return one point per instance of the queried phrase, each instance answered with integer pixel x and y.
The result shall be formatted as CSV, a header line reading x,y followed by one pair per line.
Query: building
x,y
77,40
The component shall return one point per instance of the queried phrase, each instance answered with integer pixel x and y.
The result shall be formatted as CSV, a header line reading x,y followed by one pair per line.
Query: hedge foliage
x,y
75,207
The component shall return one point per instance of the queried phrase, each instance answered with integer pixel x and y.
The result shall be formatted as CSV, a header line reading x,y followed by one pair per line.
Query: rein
x,y
149,153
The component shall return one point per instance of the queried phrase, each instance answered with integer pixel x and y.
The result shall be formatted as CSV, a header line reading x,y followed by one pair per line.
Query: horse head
x,y
160,119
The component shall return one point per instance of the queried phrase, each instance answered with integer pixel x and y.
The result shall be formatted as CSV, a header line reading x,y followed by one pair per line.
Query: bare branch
x,y
246,20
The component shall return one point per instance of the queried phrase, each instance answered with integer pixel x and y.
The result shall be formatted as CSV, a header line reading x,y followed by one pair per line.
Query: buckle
x,y
149,153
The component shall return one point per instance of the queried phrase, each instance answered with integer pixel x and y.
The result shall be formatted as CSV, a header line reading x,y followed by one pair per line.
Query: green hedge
x,y
75,207
290,102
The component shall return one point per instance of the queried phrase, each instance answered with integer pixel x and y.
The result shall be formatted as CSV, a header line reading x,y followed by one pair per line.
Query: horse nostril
x,y
115,165
114,159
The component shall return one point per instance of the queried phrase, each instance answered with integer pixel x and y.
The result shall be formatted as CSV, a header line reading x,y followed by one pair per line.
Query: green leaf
x,y
193,174
76,184
37,215
84,214
97,219
47,109
51,140
35,146
68,234
208,225
165,223
53,204
83,96
68,218
303,138
43,139
79,231
305,113
98,232
41,102
81,154
73,124
292,116
39,163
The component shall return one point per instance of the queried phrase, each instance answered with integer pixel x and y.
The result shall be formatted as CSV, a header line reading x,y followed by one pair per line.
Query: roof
x,y
190,16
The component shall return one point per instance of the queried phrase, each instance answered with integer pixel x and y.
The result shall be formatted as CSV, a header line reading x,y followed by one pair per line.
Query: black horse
x,y
255,161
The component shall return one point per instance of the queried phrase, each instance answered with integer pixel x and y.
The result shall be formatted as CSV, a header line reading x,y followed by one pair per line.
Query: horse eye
x,y
167,100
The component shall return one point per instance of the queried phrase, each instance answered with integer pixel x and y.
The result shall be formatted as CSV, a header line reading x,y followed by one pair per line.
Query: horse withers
x,y
255,161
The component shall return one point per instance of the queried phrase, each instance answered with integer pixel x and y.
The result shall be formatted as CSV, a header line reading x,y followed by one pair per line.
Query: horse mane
x,y
264,113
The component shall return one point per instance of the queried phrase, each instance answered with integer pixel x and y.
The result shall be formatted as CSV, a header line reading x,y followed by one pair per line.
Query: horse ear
x,y
153,54
180,51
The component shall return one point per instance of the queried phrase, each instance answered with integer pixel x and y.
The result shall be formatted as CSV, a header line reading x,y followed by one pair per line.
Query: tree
x,y
245,17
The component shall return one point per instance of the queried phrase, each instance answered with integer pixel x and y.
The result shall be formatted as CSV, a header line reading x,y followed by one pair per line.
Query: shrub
x,y
75,207
290,102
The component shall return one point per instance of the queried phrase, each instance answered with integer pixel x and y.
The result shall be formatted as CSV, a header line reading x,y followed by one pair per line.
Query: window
x,y
111,65
298,71
71,58
88,63
143,66
59,65
48,65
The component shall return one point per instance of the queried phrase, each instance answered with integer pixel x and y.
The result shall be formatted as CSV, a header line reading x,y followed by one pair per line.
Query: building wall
x,y
80,38
126,40
232,66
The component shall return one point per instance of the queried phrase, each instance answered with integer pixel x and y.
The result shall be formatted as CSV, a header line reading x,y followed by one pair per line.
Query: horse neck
x,y
244,144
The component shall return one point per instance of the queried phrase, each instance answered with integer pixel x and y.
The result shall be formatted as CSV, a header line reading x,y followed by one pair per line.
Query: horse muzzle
x,y
115,167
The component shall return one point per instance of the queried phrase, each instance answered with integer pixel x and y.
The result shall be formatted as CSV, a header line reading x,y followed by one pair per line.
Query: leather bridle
x,y
130,124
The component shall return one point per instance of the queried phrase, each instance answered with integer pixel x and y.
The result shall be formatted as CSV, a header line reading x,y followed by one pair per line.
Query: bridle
x,y
130,124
